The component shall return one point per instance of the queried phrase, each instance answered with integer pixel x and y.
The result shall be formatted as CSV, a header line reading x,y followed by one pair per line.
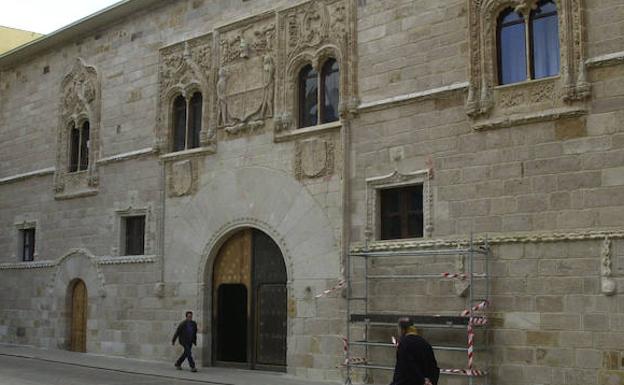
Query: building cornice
x,y
492,239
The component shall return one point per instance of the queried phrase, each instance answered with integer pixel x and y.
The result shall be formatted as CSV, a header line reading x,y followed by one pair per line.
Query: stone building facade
x,y
180,122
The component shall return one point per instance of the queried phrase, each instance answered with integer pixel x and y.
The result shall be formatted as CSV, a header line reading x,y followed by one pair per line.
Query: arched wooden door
x,y
250,303
78,336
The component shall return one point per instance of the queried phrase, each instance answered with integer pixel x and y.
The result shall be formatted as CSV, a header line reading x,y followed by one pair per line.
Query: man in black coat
x,y
415,361
186,333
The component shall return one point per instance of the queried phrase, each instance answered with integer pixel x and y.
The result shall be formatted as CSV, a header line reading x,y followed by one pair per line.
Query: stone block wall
x,y
409,46
240,180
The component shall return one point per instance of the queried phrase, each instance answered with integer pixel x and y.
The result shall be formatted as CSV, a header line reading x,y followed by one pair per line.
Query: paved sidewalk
x,y
206,375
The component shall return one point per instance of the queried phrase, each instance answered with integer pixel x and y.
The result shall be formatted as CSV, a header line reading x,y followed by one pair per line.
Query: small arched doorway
x,y
249,303
78,316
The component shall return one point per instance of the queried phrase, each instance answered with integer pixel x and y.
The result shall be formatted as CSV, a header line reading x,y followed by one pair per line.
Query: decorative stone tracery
x,y
487,100
80,102
185,68
311,33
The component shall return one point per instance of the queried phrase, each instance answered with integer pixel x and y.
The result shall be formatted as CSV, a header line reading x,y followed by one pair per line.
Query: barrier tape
x,y
474,321
341,283
355,361
466,372
470,345
478,321
461,276
477,307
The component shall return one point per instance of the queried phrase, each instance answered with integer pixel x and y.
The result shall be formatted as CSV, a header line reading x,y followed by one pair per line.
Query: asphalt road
x,y
27,371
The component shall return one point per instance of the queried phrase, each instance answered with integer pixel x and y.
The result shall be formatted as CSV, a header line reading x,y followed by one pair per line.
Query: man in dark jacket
x,y
415,361
186,333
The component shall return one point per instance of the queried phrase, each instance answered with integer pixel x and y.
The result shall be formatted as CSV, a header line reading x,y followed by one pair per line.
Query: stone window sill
x,y
307,131
200,151
528,82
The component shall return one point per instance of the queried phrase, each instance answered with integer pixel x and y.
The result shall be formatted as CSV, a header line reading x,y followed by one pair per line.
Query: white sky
x,y
45,16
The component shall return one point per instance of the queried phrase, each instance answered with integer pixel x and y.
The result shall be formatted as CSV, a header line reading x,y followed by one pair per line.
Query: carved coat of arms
x,y
315,158
246,77
181,178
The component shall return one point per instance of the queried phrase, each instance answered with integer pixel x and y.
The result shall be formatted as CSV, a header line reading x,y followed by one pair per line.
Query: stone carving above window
x,y
182,177
184,69
491,105
311,33
79,107
314,158
245,86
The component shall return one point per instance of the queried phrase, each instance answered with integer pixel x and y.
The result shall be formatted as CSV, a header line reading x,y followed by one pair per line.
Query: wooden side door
x,y
78,337
269,281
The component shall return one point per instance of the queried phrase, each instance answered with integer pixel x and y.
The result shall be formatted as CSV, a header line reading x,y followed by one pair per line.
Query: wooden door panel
x,y
79,318
271,326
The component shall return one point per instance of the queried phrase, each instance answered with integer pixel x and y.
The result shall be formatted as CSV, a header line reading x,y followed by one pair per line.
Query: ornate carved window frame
x,y
311,33
184,69
392,180
80,102
491,105
150,231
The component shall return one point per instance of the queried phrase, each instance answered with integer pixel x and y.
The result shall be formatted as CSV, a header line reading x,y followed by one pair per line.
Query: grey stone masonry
x,y
535,167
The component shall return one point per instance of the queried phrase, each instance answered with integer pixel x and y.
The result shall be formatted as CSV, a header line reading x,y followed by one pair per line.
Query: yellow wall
x,y
11,38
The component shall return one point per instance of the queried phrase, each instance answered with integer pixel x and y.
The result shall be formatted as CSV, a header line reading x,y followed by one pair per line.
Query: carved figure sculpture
x,y
268,81
223,114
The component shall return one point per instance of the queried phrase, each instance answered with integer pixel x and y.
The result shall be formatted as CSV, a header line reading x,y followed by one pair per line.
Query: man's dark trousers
x,y
186,355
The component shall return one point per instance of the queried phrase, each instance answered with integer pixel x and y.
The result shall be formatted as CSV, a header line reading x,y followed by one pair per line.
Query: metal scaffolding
x,y
469,319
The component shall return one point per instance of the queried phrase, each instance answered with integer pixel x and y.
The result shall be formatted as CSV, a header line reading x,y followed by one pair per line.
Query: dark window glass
x,y
401,212
74,148
545,40
28,244
414,211
308,97
179,123
330,92
84,146
195,120
135,235
511,48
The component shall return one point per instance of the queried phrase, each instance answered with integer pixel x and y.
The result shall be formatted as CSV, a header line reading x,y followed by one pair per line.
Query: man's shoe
x,y
193,370
178,367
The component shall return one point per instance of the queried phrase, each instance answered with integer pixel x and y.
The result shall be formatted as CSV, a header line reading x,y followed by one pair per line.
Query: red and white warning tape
x,y
478,321
341,283
461,276
466,372
470,346
352,360
477,307
355,361
474,321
